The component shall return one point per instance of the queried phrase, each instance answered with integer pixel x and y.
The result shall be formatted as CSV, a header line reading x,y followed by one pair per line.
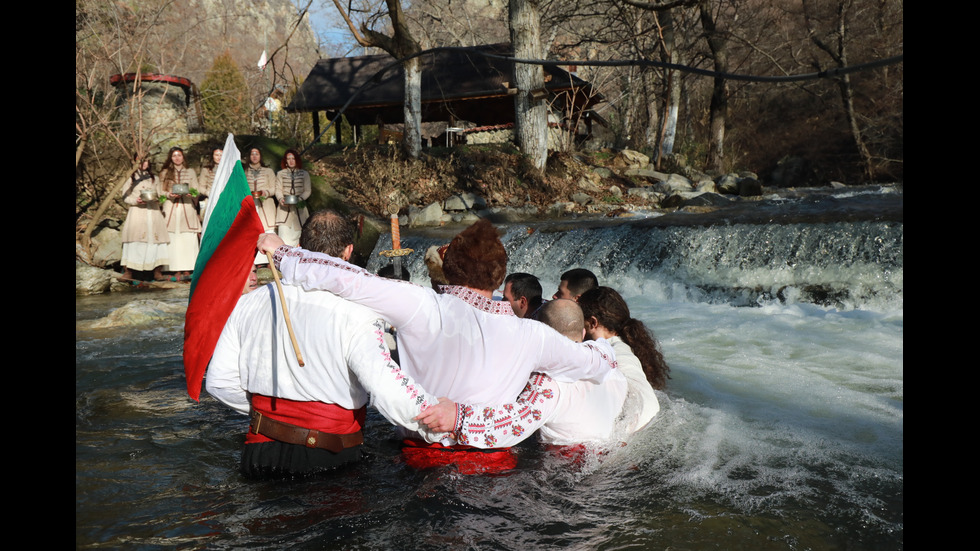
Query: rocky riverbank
x,y
603,187
496,183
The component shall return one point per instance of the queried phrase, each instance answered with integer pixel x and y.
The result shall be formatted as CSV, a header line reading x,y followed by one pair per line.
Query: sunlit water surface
x,y
781,428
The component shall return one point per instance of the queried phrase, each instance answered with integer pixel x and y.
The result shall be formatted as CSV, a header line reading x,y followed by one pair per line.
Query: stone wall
x,y
556,137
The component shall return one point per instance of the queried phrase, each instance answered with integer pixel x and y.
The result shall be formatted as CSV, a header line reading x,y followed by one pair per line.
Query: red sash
x,y
469,460
329,418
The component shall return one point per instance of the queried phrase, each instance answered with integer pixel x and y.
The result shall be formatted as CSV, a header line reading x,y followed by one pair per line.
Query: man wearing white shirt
x,y
308,418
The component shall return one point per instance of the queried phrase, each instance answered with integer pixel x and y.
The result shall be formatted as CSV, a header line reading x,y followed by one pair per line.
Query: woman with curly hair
x,y
180,213
292,181
637,352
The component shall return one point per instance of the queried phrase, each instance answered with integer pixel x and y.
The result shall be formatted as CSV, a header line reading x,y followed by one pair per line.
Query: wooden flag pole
x,y
285,311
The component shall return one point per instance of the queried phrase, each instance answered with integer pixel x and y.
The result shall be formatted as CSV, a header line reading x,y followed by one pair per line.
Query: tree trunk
x,y
670,119
719,90
839,55
97,217
847,97
399,45
847,93
530,115
673,77
412,139
80,148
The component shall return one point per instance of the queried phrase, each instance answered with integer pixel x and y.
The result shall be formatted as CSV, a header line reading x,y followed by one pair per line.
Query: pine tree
x,y
224,97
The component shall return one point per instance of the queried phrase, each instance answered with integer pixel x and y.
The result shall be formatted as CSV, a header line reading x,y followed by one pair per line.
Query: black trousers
x,y
281,460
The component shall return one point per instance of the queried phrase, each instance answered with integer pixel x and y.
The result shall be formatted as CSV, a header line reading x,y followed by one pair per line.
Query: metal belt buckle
x,y
256,421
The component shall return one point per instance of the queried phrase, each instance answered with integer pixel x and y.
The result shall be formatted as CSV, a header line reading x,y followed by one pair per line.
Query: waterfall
x,y
844,265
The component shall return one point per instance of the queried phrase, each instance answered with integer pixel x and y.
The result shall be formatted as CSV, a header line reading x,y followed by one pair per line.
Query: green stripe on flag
x,y
223,214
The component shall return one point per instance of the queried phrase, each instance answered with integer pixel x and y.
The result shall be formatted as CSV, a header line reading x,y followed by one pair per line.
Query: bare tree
x,y
111,39
530,109
837,50
458,23
718,45
399,45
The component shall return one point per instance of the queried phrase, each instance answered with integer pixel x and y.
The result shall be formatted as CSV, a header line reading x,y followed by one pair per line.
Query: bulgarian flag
x,y
230,231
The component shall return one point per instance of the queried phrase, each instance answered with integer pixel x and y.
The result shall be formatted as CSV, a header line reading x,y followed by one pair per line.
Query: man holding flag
x,y
223,263
306,416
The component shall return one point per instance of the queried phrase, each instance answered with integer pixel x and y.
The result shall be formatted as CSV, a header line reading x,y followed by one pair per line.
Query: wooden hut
x,y
461,87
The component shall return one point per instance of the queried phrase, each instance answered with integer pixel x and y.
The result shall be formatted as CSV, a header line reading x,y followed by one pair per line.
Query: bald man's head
x,y
564,316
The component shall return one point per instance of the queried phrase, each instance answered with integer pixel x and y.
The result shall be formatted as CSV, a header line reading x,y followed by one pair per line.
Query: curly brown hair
x,y
299,162
476,258
611,310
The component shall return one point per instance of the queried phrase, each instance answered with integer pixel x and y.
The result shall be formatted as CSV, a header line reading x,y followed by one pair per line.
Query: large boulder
x,y
727,183
647,173
106,246
142,312
706,200
694,199
428,216
749,187
628,158
463,201
90,280
674,183
706,186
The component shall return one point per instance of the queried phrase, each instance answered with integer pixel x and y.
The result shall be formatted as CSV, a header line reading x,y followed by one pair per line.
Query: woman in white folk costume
x,y
206,178
144,233
294,182
262,183
180,213
608,317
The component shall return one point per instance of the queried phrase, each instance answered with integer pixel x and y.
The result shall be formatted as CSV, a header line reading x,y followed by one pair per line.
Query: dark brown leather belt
x,y
292,434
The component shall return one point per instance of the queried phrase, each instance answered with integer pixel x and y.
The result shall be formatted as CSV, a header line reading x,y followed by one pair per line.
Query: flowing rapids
x,y
781,428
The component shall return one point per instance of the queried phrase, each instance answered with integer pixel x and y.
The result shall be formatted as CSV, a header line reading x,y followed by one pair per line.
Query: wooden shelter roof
x,y
457,84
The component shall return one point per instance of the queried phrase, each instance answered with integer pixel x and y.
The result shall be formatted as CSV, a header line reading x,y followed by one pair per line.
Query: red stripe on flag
x,y
218,290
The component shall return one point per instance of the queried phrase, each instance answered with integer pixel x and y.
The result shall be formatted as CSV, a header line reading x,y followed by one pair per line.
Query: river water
x,y
781,428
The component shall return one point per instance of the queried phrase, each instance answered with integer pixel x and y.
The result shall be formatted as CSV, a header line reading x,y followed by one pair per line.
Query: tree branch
x,y
659,6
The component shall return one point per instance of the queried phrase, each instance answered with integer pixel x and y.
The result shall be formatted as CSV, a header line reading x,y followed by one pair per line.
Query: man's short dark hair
x,y
328,232
580,280
525,285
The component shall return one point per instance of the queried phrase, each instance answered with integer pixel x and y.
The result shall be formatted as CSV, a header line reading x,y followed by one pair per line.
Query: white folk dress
x,y
290,218
183,223
144,234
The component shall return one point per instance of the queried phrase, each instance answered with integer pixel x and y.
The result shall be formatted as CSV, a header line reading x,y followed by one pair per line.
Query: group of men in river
x,y
473,377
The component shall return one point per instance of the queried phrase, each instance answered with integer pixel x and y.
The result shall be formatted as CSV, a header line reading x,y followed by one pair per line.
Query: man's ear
x,y
348,250
523,302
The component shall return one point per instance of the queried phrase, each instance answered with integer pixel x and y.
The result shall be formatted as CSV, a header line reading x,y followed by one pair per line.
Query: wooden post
x,y
316,124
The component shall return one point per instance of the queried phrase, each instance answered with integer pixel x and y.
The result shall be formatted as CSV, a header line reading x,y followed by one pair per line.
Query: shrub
x,y
224,98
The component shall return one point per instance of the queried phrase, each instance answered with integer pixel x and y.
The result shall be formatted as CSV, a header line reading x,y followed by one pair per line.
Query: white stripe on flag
x,y
229,156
